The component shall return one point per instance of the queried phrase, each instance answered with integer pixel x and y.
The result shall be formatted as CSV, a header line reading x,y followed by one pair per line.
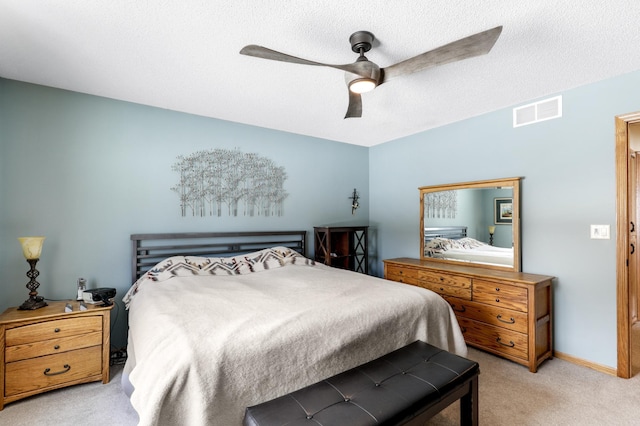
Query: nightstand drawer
x,y
53,330
452,280
52,370
53,346
497,294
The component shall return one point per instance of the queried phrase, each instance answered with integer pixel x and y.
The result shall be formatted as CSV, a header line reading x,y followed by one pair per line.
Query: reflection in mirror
x,y
476,223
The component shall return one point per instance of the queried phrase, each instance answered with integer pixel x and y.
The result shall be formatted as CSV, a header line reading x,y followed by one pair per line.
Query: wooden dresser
x,y
506,313
47,349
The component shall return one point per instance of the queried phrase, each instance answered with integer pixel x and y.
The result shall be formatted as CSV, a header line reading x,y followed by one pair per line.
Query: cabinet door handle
x,y
66,367
511,320
633,248
633,227
510,344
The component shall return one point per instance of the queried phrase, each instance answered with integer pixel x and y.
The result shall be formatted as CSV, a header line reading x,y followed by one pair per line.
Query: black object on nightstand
x,y
103,295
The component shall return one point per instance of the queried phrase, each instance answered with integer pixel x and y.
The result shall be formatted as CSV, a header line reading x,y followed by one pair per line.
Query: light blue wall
x,y
87,172
569,183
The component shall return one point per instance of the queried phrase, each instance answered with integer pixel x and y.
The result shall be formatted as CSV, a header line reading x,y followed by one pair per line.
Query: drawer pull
x,y
463,329
510,344
462,308
441,289
511,320
56,347
441,278
57,330
498,300
66,367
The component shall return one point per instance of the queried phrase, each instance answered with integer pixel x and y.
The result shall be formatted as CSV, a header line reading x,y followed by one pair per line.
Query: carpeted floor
x,y
560,393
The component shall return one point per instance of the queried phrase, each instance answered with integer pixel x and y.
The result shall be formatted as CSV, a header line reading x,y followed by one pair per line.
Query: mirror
x,y
474,223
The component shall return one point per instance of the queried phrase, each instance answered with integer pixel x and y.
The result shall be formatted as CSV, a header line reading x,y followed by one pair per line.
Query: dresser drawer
x,y
451,280
401,274
503,295
494,315
496,339
447,290
53,330
52,370
53,346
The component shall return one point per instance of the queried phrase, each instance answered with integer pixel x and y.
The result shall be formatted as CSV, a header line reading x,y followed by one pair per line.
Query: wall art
x,y
223,181
443,204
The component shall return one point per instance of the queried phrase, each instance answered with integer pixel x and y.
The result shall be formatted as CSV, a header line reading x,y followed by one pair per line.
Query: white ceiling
x,y
183,55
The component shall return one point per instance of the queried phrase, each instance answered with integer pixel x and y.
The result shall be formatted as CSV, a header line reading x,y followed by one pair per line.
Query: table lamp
x,y
31,248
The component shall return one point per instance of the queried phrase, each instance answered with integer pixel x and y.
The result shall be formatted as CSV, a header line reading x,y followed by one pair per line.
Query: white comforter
x,y
205,347
484,254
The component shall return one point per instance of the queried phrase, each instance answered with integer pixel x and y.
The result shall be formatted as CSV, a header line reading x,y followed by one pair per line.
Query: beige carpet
x,y
560,393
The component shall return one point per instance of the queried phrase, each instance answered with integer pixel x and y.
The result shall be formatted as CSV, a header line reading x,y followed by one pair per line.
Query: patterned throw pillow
x,y
180,266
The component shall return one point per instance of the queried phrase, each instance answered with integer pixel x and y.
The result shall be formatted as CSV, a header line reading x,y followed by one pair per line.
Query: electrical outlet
x,y
600,232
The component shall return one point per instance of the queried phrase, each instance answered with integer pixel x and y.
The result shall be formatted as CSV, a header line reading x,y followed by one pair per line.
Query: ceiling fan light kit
x,y
363,75
362,85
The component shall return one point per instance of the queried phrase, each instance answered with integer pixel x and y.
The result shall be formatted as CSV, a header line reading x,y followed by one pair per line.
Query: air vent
x,y
537,112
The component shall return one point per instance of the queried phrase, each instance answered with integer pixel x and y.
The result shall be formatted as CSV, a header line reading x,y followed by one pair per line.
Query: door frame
x,y
622,123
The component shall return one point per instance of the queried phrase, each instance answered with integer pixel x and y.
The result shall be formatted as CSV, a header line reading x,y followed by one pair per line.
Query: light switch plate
x,y
600,232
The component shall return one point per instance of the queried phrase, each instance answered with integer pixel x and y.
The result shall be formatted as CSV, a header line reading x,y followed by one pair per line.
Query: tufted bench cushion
x,y
405,387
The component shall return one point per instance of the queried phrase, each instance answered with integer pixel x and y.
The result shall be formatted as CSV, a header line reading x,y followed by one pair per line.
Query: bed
x,y
214,329
452,242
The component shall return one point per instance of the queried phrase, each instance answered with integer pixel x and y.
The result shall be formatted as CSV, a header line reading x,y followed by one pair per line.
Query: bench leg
x,y
469,405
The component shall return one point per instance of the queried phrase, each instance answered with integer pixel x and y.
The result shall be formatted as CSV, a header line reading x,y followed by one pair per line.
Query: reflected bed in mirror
x,y
476,223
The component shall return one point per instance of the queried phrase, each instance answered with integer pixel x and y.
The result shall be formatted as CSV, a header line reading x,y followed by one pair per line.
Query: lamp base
x,y
33,303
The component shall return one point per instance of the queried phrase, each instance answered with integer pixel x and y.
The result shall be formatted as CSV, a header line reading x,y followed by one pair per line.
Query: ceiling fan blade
x,y
468,47
355,105
265,53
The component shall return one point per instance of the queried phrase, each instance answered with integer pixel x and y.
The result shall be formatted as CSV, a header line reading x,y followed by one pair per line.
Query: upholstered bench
x,y
405,387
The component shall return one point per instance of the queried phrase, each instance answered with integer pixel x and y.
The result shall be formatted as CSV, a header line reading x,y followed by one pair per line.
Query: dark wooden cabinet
x,y
342,247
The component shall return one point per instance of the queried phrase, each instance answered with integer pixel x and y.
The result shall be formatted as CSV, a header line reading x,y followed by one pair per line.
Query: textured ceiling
x,y
183,55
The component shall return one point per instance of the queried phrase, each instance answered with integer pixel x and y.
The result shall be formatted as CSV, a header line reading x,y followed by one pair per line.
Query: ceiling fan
x,y
364,75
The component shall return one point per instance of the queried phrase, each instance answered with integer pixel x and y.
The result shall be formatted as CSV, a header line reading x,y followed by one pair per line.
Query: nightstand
x,y
49,348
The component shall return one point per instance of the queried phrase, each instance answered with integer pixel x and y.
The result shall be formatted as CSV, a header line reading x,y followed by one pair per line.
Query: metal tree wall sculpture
x,y
442,204
242,184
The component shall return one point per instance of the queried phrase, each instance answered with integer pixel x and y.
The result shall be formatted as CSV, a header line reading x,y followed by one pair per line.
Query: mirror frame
x,y
492,183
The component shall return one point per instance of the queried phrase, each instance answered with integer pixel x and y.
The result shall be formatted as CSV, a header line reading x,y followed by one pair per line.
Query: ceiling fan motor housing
x,y
361,40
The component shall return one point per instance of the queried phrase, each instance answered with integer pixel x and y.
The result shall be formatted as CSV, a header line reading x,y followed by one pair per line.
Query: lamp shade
x,y
31,246
492,229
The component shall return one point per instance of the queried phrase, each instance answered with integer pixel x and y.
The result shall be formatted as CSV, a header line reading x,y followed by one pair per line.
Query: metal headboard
x,y
149,249
451,232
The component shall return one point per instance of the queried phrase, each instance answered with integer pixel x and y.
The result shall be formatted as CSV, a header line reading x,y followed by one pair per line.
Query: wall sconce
x,y
492,230
354,201
31,248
